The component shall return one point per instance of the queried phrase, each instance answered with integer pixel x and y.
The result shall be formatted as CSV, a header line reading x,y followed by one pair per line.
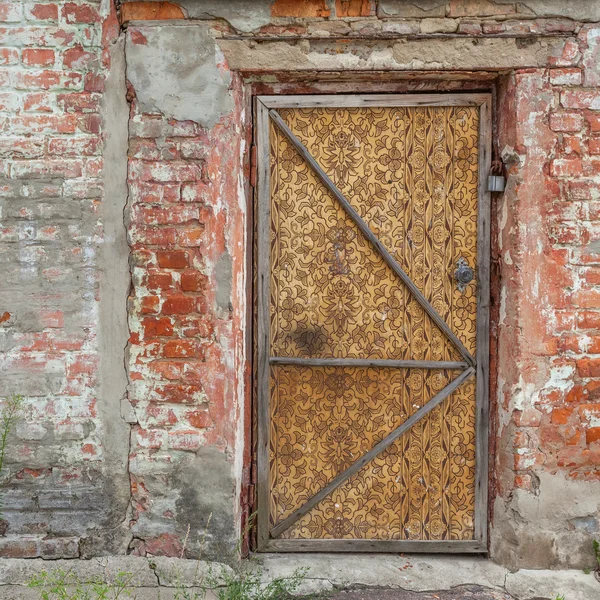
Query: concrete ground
x,y
469,592
329,577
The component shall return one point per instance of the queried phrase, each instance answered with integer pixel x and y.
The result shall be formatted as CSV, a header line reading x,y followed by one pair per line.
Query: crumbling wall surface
x,y
548,464
123,238
187,308
64,280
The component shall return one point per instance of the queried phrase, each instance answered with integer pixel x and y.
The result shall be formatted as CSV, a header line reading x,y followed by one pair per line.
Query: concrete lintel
x,y
442,53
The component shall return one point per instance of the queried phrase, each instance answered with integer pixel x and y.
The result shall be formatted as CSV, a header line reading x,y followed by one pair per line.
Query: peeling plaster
x,y
173,69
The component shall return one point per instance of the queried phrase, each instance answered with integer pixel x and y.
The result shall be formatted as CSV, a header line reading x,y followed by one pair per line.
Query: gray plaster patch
x,y
206,504
564,512
578,11
243,15
408,9
224,276
173,70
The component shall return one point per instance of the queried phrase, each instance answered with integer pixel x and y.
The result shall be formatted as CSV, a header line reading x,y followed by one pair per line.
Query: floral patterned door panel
x,y
372,332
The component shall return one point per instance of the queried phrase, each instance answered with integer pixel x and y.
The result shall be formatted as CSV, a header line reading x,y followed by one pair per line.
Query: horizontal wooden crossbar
x,y
365,362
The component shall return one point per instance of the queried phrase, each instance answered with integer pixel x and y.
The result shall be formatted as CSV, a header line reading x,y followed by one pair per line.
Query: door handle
x,y
464,274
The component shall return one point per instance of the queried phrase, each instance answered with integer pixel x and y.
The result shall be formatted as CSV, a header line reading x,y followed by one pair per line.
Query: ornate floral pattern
x,y
411,173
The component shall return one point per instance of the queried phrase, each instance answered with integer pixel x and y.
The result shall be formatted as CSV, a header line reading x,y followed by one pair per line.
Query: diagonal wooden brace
x,y
366,231
379,447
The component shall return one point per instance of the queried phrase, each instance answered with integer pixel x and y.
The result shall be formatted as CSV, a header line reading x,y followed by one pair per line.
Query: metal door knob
x,y
463,274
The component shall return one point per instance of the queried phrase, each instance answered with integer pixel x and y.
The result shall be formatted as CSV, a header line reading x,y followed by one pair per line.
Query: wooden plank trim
x,y
377,100
365,362
263,337
483,325
422,546
379,447
366,231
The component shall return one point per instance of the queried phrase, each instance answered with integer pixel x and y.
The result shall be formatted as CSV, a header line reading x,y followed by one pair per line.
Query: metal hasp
x,y
463,274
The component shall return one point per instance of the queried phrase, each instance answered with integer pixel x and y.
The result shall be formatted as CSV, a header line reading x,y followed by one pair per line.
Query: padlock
x,y
496,183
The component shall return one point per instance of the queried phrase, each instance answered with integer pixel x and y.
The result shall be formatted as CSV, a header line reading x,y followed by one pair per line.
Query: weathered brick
x,y
150,11
565,76
566,167
580,98
306,8
41,12
175,259
41,57
566,121
80,13
9,56
178,305
354,8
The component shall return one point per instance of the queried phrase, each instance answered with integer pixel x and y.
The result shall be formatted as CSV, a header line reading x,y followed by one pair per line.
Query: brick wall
x,y
96,471
187,236
53,64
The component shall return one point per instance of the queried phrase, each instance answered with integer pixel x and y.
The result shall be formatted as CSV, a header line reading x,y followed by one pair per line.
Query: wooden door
x,y
372,338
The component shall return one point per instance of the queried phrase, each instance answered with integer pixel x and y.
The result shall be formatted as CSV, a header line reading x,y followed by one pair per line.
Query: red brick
x,y
561,416
587,299
591,166
43,12
580,98
10,12
149,304
529,417
594,145
588,367
150,438
178,305
40,57
154,236
191,238
181,349
157,327
193,281
300,8
150,11
566,167
200,419
47,80
80,13
174,259
38,102
75,146
592,435
9,56
353,8
21,547
566,121
593,121
47,167
78,59
588,320
78,102
159,280
571,144
565,76
184,440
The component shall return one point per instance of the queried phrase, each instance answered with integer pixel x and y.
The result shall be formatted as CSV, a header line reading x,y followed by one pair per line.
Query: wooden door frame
x,y
263,105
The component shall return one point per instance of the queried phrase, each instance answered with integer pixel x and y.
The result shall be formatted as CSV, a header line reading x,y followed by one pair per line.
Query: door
x,y
372,322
